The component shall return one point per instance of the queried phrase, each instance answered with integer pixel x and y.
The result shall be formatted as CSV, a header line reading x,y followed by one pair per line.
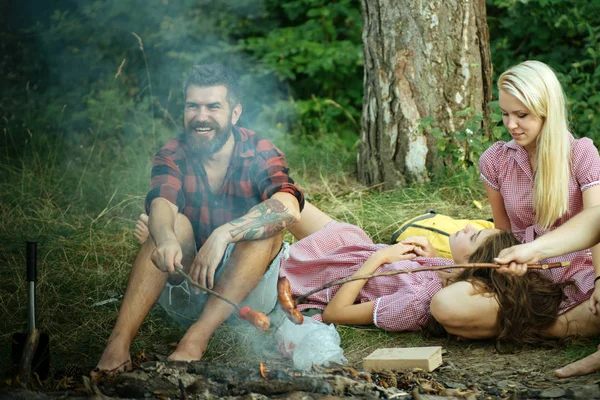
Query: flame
x,y
263,370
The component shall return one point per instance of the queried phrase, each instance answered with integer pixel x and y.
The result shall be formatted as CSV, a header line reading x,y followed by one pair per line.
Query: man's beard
x,y
204,146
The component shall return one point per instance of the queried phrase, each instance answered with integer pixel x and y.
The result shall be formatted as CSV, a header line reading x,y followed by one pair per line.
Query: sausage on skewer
x,y
256,318
284,293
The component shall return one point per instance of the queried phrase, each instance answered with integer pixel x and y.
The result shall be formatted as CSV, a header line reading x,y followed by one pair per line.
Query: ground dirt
x,y
470,370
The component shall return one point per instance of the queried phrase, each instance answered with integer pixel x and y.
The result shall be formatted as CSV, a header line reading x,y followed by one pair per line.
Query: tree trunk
x,y
422,58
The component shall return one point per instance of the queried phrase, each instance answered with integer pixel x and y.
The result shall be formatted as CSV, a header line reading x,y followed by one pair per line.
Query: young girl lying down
x,y
473,304
517,308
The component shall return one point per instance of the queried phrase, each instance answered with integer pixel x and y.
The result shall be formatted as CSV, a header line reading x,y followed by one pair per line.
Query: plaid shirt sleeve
x,y
167,181
272,173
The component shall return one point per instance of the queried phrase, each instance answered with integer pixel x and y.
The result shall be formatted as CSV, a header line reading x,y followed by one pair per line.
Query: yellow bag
x,y
437,228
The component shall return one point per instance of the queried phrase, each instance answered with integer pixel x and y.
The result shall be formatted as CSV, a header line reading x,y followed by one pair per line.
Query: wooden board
x,y
426,358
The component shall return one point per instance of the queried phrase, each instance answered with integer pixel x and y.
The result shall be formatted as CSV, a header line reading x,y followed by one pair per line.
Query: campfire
x,y
205,379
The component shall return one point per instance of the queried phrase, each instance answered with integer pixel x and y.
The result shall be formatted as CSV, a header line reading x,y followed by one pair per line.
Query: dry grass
x,y
86,247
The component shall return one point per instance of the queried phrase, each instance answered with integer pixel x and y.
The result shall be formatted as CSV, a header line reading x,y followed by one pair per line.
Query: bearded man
x,y
219,200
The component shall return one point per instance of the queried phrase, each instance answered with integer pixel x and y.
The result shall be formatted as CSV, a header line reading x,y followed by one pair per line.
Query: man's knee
x,y
256,248
183,231
183,228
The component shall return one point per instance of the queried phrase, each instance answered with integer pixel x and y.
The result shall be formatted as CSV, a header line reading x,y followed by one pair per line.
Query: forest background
x,y
91,90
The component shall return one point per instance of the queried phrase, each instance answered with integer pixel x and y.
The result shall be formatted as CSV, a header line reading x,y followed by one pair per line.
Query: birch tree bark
x,y
422,58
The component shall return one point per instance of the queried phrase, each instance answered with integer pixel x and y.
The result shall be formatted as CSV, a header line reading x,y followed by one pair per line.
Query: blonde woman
x,y
542,177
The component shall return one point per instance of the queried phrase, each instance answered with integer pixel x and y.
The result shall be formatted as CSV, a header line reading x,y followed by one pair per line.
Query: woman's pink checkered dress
x,y
337,251
505,168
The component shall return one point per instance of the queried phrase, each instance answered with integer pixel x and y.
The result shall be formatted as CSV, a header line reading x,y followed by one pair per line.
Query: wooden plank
x,y
426,358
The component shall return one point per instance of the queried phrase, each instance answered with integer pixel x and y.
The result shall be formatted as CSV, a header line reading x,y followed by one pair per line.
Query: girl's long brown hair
x,y
528,304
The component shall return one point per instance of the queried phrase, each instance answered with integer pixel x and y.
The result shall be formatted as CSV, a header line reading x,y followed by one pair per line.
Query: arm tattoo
x,y
262,221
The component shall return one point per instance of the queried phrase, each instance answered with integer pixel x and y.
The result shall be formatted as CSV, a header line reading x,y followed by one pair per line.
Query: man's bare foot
x,y
189,350
115,359
141,229
587,365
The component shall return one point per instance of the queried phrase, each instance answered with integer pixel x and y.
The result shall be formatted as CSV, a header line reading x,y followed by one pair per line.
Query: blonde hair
x,y
535,85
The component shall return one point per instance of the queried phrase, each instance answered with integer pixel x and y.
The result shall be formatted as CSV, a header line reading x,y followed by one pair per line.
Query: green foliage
x,y
459,151
300,61
317,51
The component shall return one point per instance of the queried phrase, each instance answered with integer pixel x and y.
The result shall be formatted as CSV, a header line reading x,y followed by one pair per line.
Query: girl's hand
x,y
521,254
396,252
422,246
513,269
594,303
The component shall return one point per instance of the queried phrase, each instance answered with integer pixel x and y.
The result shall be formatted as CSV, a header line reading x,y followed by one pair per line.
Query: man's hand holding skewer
x,y
166,255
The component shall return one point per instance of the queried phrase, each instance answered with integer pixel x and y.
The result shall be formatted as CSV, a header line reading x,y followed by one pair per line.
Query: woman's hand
x,y
594,303
517,258
513,269
422,247
396,252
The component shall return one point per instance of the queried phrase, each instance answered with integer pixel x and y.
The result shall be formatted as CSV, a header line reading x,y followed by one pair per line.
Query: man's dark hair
x,y
214,75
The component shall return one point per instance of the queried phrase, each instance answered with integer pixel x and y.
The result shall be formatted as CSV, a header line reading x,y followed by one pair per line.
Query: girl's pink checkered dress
x,y
337,251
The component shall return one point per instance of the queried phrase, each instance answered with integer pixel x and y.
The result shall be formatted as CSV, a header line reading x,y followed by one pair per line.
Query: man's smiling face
x,y
208,117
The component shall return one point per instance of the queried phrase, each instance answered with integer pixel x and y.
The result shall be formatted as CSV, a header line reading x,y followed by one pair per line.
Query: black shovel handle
x,y
31,278
31,261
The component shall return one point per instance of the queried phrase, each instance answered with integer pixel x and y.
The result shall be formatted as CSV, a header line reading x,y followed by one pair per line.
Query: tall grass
x,y
80,204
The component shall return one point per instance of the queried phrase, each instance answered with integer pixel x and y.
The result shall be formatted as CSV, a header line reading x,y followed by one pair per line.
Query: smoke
x,y
79,46
106,77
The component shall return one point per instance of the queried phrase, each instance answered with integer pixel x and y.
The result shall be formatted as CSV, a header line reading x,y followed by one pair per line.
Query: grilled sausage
x,y
284,293
256,318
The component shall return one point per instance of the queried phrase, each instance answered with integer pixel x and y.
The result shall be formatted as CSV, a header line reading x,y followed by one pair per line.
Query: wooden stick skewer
x,y
257,318
180,271
300,299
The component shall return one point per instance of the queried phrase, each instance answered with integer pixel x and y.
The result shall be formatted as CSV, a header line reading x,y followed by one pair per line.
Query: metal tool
x,y
31,350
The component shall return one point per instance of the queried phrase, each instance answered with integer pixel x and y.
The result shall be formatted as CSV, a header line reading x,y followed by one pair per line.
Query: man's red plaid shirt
x,y
256,171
